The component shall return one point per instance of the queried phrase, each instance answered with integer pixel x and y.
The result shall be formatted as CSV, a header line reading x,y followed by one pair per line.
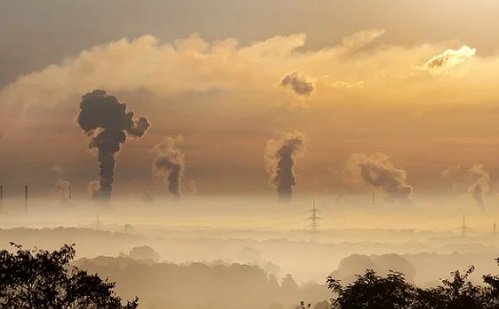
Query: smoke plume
x,y
169,159
475,180
107,123
378,171
62,188
298,83
480,183
280,157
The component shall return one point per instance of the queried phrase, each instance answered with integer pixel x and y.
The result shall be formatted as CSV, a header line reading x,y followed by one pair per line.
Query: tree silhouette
x,y
373,291
392,291
42,279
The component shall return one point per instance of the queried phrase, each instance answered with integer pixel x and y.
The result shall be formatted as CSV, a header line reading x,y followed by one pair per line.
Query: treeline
x,y
393,291
197,285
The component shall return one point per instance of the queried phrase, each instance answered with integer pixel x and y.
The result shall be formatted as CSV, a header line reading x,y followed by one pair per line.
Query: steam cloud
x,y
475,180
449,59
280,157
298,83
62,188
170,159
378,171
480,183
108,123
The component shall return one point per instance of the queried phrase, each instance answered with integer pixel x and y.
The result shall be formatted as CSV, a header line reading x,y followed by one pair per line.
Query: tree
x,y
392,291
456,293
38,279
373,291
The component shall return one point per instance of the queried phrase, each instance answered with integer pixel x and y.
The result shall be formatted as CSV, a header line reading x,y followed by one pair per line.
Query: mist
x,y
222,234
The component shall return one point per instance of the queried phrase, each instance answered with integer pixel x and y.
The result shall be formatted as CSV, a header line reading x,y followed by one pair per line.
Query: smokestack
x,y
280,157
26,198
107,123
70,196
1,197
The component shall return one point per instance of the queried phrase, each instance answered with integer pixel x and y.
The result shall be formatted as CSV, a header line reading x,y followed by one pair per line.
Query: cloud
x,y
378,171
56,169
390,74
298,83
449,59
361,38
280,158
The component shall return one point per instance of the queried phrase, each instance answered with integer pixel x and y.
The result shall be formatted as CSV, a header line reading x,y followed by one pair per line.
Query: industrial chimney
x,y
26,198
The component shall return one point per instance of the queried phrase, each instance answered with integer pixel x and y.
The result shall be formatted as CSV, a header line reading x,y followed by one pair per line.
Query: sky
x,y
246,97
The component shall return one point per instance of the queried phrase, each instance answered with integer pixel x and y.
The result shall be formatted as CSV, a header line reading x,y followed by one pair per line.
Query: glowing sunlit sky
x,y
415,80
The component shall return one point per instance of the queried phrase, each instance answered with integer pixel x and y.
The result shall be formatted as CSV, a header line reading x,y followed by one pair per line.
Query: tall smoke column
x,y
169,159
107,123
280,157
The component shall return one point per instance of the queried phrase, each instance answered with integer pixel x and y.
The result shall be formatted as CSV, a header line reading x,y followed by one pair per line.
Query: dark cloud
x,y
298,83
108,123
378,171
280,157
170,159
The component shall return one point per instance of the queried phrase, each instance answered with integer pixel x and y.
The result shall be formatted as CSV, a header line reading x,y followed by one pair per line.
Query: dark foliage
x,y
42,279
373,291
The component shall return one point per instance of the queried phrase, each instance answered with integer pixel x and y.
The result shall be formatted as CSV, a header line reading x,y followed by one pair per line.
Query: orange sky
x,y
414,81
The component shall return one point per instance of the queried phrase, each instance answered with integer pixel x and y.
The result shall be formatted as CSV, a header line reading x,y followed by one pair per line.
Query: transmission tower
x,y
314,218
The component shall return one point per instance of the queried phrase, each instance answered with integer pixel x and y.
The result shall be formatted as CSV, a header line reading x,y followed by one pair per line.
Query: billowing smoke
x,y
378,171
170,160
298,83
480,183
280,157
449,59
108,123
62,188
475,181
